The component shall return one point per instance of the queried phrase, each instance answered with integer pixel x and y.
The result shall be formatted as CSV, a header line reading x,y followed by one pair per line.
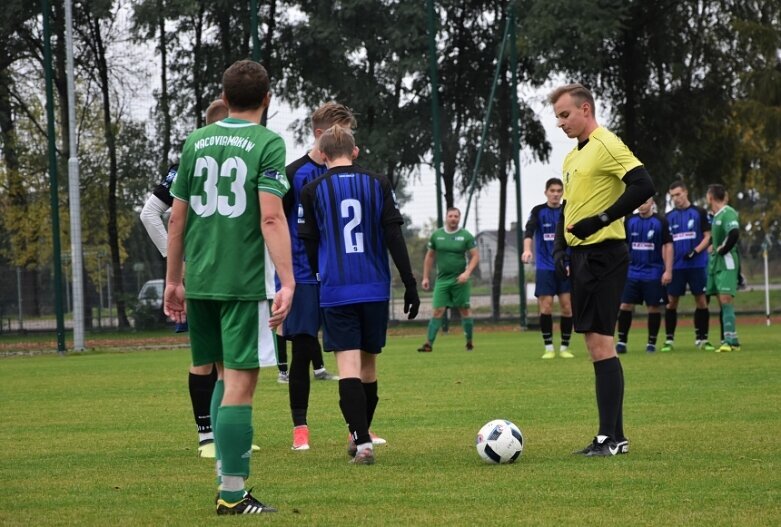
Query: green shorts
x,y
234,332
449,293
723,282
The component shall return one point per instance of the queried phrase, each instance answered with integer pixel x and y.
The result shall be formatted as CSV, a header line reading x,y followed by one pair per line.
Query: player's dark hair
x,y
677,184
217,111
337,141
244,85
332,113
553,181
718,192
577,91
455,209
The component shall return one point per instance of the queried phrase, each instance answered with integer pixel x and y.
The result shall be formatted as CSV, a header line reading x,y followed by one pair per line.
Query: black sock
x,y
281,353
654,322
201,388
624,323
620,418
721,323
316,355
370,390
298,386
608,387
352,401
566,330
701,323
546,328
670,321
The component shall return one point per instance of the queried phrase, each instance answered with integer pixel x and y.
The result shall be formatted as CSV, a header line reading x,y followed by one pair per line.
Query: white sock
x,y
365,446
209,436
320,370
232,483
548,347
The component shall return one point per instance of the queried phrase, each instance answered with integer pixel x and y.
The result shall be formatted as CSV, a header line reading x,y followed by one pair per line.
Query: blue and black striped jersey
x,y
541,226
300,173
645,237
688,226
346,210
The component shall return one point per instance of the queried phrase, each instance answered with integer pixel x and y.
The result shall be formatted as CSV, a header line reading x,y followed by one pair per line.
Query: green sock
x,y
433,326
219,391
728,318
234,436
468,324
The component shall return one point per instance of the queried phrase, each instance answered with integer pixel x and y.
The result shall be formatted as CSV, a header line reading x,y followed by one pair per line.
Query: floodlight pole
x,y
515,115
74,193
435,122
55,211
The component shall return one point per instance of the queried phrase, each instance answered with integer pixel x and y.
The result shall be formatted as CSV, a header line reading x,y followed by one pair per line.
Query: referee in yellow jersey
x,y
603,182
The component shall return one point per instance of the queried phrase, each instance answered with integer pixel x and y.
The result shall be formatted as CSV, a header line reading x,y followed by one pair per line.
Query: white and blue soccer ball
x,y
499,441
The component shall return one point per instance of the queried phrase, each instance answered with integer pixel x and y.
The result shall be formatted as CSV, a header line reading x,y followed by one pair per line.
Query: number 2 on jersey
x,y
353,242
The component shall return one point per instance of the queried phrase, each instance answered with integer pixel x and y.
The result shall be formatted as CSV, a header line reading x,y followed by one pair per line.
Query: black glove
x,y
586,227
561,263
411,301
722,250
691,255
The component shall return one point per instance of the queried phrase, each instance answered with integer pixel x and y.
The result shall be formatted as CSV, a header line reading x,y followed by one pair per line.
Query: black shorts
x,y
355,326
598,273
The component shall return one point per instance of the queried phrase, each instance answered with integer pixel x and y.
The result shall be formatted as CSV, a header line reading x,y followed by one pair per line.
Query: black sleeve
x,y
559,242
704,223
394,239
311,246
391,212
729,243
307,226
667,236
639,188
531,224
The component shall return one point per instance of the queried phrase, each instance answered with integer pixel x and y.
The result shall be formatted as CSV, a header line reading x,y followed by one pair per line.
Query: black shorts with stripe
x,y
598,274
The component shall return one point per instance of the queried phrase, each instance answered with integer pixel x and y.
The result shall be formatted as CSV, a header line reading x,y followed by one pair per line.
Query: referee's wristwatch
x,y
604,218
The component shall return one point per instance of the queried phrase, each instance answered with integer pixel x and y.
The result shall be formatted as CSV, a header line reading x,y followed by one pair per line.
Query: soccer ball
x,y
499,441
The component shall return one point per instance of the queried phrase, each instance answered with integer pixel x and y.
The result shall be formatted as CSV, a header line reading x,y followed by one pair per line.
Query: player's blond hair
x,y
336,142
333,113
217,111
577,91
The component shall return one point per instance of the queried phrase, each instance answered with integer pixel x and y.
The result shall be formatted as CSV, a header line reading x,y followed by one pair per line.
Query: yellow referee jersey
x,y
592,183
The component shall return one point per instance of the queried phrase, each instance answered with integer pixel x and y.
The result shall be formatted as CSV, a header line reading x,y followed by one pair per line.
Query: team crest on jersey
x,y
459,238
650,234
690,225
301,213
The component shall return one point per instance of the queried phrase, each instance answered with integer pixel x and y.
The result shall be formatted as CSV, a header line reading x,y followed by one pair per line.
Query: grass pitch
x,y
107,438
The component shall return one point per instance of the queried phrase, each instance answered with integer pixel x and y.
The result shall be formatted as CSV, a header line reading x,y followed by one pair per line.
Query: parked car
x,y
151,293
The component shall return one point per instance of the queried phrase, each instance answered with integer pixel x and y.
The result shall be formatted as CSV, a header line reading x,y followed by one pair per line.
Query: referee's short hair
x,y
336,142
332,113
577,91
244,85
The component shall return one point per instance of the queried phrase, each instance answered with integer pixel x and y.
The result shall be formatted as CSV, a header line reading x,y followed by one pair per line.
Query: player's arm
x,y
474,259
668,251
273,224
560,259
528,237
394,239
152,218
706,235
639,187
667,257
307,229
428,264
729,242
173,298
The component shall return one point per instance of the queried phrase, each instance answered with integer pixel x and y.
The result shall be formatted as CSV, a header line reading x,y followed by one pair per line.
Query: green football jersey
x,y
222,169
451,248
724,221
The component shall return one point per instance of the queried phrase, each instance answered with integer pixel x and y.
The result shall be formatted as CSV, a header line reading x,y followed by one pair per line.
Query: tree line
x,y
693,87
